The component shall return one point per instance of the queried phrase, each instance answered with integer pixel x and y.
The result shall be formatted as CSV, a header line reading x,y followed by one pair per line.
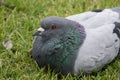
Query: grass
x,y
20,18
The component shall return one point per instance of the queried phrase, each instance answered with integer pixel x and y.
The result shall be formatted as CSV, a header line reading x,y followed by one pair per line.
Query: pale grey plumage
x,y
117,9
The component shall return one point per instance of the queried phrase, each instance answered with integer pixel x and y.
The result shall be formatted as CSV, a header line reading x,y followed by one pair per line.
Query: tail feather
x,y
117,29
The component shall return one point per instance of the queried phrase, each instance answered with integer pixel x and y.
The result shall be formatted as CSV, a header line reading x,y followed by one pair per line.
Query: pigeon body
x,y
83,42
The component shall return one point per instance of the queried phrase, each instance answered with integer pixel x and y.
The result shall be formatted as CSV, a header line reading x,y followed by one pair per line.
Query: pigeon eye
x,y
53,27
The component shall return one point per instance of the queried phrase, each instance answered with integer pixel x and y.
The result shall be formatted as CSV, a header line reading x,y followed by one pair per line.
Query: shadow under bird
x,y
84,42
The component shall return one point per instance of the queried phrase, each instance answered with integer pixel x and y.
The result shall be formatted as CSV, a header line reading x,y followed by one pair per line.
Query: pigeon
x,y
84,42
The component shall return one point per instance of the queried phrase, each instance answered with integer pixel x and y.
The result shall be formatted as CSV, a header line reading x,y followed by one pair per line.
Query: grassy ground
x,y
20,18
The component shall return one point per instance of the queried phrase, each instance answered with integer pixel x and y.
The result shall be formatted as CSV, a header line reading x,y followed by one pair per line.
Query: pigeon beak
x,y
39,32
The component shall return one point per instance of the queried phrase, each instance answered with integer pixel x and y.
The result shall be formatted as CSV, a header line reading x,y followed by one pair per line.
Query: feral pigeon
x,y
84,42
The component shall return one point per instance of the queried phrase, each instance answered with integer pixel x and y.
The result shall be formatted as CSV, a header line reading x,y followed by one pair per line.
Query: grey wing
x,y
100,48
96,19
82,16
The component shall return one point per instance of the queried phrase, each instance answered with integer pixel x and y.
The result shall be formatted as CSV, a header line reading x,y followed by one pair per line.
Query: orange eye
x,y
53,27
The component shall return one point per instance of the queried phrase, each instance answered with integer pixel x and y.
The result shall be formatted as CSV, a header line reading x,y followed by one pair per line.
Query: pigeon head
x,y
57,42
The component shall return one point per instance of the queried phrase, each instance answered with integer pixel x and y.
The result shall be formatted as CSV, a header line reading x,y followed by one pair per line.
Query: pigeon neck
x,y
69,45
